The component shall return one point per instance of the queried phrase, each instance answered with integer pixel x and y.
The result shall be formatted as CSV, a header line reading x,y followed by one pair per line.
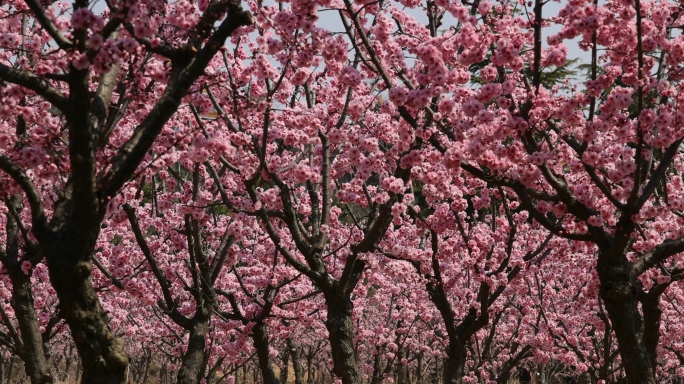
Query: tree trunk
x,y
628,327
650,307
296,357
286,361
261,342
10,373
619,293
402,369
192,363
32,352
341,334
309,367
376,377
34,358
67,362
454,366
148,362
79,367
102,353
162,374
435,372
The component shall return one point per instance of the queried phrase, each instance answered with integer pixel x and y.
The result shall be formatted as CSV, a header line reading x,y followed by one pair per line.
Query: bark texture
x,y
29,341
261,343
33,353
102,353
192,364
619,290
341,335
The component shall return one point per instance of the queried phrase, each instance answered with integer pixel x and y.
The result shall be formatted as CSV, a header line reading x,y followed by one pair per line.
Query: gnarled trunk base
x,y
192,363
341,330
102,353
619,293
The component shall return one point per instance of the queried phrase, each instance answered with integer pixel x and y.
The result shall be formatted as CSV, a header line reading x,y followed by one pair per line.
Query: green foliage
x,y
557,75
550,75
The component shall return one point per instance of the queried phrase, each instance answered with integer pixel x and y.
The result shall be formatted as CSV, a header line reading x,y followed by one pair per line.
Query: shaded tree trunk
x,y
102,354
376,377
434,375
68,359
454,365
148,362
402,369
34,358
10,373
618,290
309,367
419,367
30,343
341,334
286,361
261,342
192,363
296,355
459,332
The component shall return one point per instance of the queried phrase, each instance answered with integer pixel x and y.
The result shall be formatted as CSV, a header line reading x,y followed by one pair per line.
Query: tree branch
x,y
170,309
32,194
659,254
40,86
134,150
48,25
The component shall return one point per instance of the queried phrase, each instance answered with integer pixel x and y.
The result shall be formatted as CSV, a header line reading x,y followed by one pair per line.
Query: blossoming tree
x,y
420,135
69,77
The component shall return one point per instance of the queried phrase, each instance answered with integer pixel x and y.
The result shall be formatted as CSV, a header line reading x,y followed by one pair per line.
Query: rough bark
x,y
31,348
10,371
309,367
376,377
192,363
619,293
35,362
650,307
341,335
102,353
454,366
286,362
260,338
419,368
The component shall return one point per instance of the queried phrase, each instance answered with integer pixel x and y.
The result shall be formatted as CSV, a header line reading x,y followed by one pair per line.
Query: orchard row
x,y
363,191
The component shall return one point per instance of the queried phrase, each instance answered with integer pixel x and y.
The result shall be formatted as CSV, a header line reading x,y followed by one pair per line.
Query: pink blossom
x,y
81,62
82,18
